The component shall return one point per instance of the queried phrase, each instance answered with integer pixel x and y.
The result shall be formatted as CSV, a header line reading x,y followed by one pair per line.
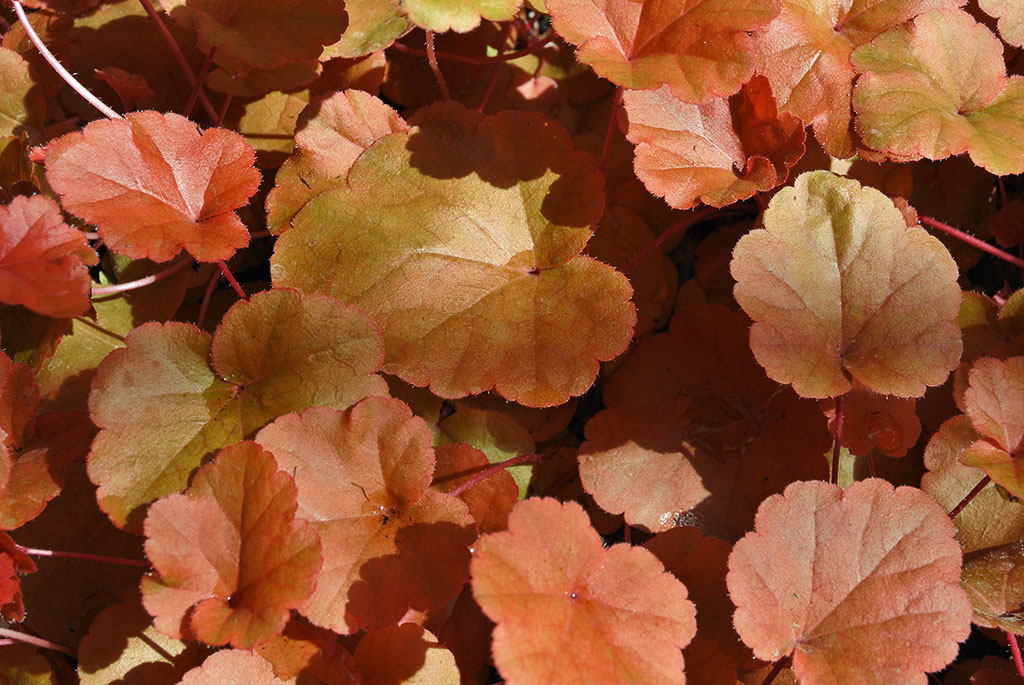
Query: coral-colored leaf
x,y
490,500
462,16
131,88
937,87
13,562
166,401
699,48
805,53
995,405
567,609
234,666
260,34
871,421
1011,19
404,654
230,558
826,572
718,152
153,185
462,240
836,283
330,135
303,649
42,259
390,544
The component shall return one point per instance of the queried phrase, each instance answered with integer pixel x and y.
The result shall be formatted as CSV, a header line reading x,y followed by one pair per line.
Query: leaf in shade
x,y
548,582
719,152
404,654
153,184
699,48
872,421
171,397
310,651
22,102
490,500
994,581
230,559
995,405
837,284
43,261
390,543
826,571
937,87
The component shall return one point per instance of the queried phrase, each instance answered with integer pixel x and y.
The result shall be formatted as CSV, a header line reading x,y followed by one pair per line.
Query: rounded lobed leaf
x,y
462,16
13,563
153,185
995,404
837,284
404,653
233,666
230,559
43,261
22,102
390,544
462,240
872,421
1011,19
568,609
826,572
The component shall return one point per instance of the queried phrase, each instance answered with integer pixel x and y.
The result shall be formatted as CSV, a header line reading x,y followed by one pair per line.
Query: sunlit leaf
x,y
462,16
234,665
1011,19
404,654
995,405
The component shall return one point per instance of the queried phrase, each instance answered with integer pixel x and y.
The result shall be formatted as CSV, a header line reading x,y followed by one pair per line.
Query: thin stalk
x,y
223,110
494,72
612,127
1015,651
432,60
971,240
231,279
31,551
205,304
36,641
496,468
101,290
839,439
59,68
490,59
178,55
197,87
776,670
644,253
969,496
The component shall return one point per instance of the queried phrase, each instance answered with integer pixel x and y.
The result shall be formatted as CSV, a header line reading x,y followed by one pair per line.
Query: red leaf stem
x,y
494,72
643,254
179,57
971,240
197,87
59,68
82,555
223,110
231,279
839,439
36,641
968,497
490,59
205,304
101,290
612,126
496,468
432,60
1015,651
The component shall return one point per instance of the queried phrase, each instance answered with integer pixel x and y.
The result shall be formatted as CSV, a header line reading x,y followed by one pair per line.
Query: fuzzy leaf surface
x,y
1011,19
153,185
462,16
234,665
995,405
836,283
230,559
22,104
462,240
390,543
554,590
826,570
172,397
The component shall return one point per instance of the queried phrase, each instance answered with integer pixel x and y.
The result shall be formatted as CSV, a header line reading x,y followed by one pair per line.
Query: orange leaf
x,y
995,405
490,500
826,572
870,421
718,152
42,259
13,562
404,653
390,543
571,610
233,666
837,284
153,185
699,48
230,558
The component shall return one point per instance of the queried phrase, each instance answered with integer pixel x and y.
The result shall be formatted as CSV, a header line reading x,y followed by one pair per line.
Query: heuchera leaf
x,y
43,261
994,580
330,135
571,610
260,34
170,398
234,666
1011,19
313,652
995,405
826,572
230,559
836,283
805,53
490,500
462,16
719,152
22,103
462,240
25,665
699,48
937,87
872,421
372,25
404,654
389,542
13,562
152,185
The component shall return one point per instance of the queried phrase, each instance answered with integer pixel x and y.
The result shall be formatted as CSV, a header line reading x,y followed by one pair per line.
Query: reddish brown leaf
x,y
700,49
22,664
490,500
131,88
995,405
718,152
566,607
390,543
305,651
836,283
994,580
230,558
153,185
43,261
405,653
461,626
13,562
826,572
871,421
